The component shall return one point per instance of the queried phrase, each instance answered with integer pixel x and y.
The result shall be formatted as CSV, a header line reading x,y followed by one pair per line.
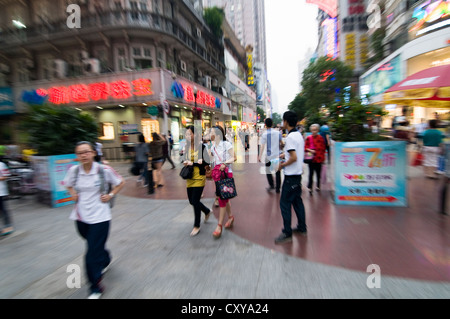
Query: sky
x,y
291,28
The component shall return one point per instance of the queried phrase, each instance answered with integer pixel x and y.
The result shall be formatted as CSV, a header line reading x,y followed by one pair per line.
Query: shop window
x,y
106,131
134,10
137,51
140,64
148,128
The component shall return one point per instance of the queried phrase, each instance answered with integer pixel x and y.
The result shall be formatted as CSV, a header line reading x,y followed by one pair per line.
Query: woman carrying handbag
x,y
197,158
223,153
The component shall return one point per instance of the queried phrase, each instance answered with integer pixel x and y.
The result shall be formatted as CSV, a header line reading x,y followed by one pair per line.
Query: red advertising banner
x,y
329,6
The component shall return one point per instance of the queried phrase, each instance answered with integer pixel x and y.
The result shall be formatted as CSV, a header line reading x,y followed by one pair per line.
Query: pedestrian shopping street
x,y
409,242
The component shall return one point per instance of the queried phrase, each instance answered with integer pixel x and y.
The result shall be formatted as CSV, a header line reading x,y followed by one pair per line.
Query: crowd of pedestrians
x,y
281,152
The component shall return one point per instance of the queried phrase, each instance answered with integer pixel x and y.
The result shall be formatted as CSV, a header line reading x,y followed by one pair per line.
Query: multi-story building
x,y
417,37
243,98
247,19
343,32
116,59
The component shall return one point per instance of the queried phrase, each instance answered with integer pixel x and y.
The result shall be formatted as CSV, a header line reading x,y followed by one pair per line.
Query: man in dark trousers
x,y
270,141
167,149
291,191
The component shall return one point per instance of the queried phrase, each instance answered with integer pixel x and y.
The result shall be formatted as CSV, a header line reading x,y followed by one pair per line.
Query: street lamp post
x,y
195,96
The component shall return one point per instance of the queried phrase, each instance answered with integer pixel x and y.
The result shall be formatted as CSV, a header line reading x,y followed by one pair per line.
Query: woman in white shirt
x,y
92,211
4,174
223,153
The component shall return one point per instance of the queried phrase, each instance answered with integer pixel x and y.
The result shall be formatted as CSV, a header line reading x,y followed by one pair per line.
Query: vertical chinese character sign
x,y
371,173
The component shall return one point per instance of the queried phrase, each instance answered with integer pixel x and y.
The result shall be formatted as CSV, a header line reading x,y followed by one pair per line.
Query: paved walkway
x,y
154,257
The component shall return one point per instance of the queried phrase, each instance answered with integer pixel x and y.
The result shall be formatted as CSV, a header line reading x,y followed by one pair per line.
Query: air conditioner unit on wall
x,y
59,68
199,33
200,73
92,66
183,66
84,55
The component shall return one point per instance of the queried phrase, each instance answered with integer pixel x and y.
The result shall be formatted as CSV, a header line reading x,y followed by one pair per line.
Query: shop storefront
x,y
129,103
426,51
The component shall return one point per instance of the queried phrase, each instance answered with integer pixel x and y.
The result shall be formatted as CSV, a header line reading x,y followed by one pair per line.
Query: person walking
x,y
316,145
99,150
170,138
141,159
291,191
271,141
432,149
326,135
92,211
157,156
167,150
7,221
223,153
196,156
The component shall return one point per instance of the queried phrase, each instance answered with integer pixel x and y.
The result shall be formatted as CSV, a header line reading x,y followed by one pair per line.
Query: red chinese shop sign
x,y
96,92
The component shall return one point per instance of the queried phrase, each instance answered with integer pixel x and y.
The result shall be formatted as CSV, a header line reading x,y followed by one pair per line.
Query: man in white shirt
x,y
270,141
292,185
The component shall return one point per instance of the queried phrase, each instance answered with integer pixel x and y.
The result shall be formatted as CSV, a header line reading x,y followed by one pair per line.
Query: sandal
x,y
216,233
230,222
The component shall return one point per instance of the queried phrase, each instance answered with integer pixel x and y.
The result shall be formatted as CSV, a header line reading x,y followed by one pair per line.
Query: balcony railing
x,y
109,20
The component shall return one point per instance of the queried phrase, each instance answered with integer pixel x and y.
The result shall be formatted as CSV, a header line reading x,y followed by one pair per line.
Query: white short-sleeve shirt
x,y
221,153
271,138
294,142
89,208
4,172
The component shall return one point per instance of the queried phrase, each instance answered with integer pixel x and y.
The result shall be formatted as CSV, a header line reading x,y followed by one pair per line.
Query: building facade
x,y
247,19
417,38
135,65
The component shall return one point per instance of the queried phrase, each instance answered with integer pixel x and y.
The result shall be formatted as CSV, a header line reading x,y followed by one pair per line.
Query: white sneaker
x,y
95,295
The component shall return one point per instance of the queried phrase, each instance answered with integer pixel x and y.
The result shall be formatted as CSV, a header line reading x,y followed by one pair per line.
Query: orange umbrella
x,y
427,88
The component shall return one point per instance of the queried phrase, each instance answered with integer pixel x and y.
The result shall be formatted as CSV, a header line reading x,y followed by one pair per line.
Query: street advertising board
x,y
58,166
49,175
371,173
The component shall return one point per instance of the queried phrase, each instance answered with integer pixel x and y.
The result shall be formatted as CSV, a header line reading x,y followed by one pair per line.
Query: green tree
x,y
55,130
352,121
277,119
323,81
261,114
298,105
376,45
214,18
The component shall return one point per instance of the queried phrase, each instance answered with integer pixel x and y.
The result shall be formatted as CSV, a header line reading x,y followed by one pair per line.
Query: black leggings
x,y
195,195
314,168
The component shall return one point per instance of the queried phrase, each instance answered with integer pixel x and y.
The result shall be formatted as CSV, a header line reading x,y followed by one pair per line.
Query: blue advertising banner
x,y
371,173
383,77
6,101
58,167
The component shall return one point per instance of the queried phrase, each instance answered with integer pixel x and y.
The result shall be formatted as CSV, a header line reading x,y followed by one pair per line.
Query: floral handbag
x,y
226,187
